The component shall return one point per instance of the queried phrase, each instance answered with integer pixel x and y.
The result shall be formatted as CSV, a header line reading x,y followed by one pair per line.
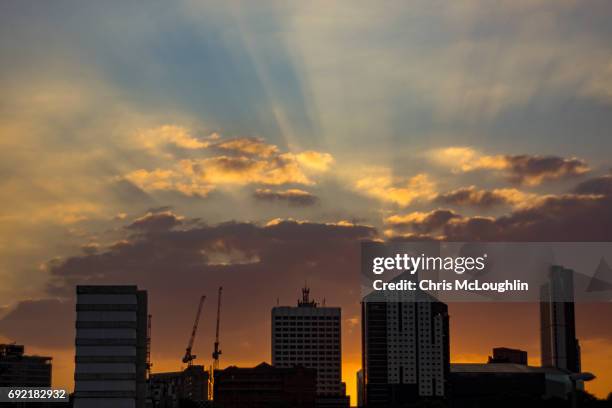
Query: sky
x,y
190,144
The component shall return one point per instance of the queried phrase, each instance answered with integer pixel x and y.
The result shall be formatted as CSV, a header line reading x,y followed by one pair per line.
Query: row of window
x,y
307,359
307,318
307,335
306,323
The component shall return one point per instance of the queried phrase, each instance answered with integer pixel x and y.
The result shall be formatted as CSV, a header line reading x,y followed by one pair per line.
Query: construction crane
x,y
216,352
188,358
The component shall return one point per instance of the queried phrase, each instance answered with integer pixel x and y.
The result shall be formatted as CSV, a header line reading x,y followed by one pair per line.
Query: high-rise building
x,y
309,335
111,347
405,351
20,370
560,347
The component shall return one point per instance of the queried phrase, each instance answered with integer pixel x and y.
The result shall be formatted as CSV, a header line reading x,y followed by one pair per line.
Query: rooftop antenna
x,y
306,302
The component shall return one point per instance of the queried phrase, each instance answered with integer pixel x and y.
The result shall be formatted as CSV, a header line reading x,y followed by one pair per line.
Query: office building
x,y
508,355
310,336
405,351
111,347
559,345
265,386
20,370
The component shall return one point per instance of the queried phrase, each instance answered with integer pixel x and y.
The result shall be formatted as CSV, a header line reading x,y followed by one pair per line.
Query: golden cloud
x,y
156,139
313,160
420,222
248,161
382,186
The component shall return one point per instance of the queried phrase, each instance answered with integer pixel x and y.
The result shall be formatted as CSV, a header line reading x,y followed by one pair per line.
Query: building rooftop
x,y
502,368
17,352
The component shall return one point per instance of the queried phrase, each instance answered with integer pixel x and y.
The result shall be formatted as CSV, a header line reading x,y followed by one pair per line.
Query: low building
x,y
265,386
508,381
169,390
21,370
508,355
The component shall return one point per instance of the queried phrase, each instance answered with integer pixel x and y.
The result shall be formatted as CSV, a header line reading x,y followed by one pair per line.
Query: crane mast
x,y
216,351
188,358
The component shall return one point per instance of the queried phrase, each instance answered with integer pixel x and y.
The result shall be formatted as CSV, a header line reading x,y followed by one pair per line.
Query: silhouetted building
x,y
310,336
560,347
405,351
20,370
111,347
265,386
169,390
508,355
484,383
360,385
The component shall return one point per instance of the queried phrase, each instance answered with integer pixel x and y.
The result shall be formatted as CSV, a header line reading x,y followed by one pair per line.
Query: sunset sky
x,y
185,145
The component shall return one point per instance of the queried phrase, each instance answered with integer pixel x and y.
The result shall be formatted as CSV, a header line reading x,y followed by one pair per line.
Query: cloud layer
x,y
530,170
213,162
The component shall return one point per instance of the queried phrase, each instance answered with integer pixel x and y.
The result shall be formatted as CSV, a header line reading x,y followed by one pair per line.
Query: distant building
x,y
265,386
360,385
508,355
20,370
480,383
559,346
309,335
168,390
111,347
405,351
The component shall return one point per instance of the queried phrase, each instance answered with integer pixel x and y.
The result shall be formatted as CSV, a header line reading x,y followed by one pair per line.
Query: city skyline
x,y
182,147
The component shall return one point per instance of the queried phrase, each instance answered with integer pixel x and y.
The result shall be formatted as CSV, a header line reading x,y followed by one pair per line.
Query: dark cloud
x,y
598,185
527,169
470,196
293,197
158,221
569,217
556,218
255,263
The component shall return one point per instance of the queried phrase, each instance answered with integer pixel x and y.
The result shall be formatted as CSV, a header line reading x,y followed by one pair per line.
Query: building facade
x,y
405,351
508,355
170,390
310,336
265,386
559,346
111,347
20,370
489,384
